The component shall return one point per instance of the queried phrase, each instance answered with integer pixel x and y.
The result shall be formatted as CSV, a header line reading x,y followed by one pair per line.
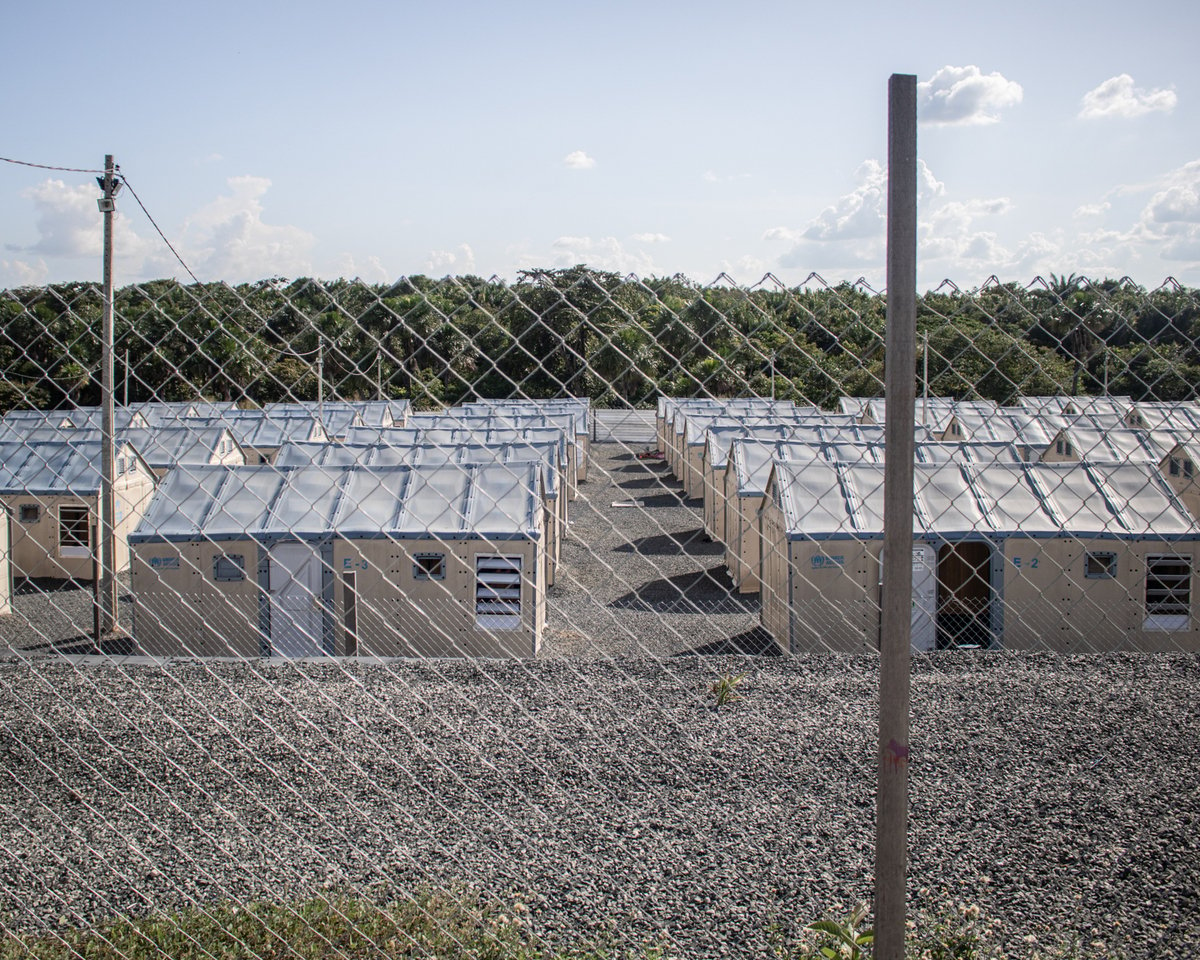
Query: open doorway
x,y
964,595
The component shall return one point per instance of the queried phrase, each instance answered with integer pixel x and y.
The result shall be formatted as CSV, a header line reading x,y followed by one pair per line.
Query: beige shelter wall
x,y
747,543
713,491
1187,489
776,567
693,470
5,564
181,611
728,526
401,615
132,498
835,595
34,549
1051,604
583,442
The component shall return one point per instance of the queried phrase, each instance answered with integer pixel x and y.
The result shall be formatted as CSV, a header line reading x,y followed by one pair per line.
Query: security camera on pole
x,y
106,621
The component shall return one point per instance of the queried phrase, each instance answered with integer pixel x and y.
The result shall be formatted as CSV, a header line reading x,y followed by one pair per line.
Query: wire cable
x,y
43,166
125,180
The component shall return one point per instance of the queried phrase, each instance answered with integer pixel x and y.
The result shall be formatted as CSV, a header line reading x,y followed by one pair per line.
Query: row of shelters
x,y
1063,525
308,529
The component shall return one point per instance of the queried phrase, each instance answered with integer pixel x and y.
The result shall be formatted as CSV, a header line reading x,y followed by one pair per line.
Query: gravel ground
x,y
644,581
1057,793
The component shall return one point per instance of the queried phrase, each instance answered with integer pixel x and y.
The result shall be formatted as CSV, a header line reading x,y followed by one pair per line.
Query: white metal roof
x,y
374,455
493,501
57,468
822,500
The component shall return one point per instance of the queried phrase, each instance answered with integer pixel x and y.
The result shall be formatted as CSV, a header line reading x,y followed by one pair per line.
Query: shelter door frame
x,y
298,609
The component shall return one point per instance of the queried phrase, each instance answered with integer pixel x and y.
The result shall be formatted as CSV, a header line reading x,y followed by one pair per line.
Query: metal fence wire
x,y
559,599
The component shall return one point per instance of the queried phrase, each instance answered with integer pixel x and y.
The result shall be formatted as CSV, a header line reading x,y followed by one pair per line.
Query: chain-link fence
x,y
560,598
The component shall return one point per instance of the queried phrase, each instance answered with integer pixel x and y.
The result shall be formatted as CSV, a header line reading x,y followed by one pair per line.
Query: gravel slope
x,y
1054,792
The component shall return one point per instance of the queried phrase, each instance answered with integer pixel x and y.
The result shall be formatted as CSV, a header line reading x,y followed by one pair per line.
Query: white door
x,y
924,608
296,607
924,596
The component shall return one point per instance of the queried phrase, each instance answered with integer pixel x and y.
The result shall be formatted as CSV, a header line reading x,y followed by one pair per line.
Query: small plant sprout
x,y
845,938
724,691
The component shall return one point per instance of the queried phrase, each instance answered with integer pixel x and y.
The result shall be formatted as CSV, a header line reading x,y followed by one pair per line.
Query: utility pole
x,y
106,622
925,359
321,382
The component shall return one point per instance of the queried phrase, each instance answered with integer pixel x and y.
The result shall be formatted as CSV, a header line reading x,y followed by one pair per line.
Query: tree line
x,y
584,332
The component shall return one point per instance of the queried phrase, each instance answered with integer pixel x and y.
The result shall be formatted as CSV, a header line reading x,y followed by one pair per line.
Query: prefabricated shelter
x,y
6,576
744,479
1111,407
479,432
677,412
167,447
1059,557
1181,466
690,463
1083,441
52,491
406,561
547,454
261,435
574,428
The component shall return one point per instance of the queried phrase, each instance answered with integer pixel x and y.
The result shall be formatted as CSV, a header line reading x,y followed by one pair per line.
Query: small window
x,y
30,513
122,466
1058,447
1173,469
1067,449
1100,566
74,531
1168,592
1188,468
429,566
229,567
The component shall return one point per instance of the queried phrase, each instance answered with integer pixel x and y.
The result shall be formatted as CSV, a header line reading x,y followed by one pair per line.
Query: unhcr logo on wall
x,y
822,562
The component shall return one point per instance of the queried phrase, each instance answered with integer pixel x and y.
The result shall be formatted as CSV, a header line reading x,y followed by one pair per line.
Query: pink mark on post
x,y
895,754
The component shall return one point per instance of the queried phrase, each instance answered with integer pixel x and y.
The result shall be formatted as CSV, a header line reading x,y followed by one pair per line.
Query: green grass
x,y
343,928
458,926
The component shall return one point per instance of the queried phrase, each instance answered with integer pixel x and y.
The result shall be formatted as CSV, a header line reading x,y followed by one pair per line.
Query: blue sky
x,y
378,139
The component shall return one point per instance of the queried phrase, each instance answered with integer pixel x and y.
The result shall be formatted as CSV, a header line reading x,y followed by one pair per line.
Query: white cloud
x,y
71,227
372,270
578,160
19,273
965,96
651,237
745,269
863,212
68,222
711,176
1118,98
1171,219
786,234
854,224
228,238
1093,209
461,259
603,253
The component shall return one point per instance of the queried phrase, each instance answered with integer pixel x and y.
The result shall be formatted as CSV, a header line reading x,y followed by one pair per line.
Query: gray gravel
x,y
1057,793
